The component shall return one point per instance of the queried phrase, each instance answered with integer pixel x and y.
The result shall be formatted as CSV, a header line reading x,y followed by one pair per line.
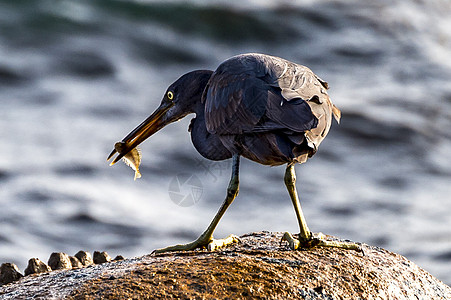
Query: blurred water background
x,y
77,76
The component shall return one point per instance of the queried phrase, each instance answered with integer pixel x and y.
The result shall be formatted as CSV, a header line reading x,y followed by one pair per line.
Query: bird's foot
x,y
201,242
318,239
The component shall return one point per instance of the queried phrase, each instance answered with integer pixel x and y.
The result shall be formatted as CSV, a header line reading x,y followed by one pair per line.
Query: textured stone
x,y
59,260
75,262
118,257
259,267
9,273
36,266
85,258
256,268
101,257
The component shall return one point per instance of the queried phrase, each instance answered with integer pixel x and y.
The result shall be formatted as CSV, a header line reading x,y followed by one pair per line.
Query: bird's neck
x,y
207,144
201,83
199,108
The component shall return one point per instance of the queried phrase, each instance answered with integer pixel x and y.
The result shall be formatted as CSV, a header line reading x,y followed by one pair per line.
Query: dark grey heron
x,y
264,108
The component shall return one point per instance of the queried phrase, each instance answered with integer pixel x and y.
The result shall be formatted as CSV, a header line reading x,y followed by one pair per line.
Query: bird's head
x,y
181,98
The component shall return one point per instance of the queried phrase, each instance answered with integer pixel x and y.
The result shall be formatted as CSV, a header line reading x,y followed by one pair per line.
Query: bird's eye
x,y
170,95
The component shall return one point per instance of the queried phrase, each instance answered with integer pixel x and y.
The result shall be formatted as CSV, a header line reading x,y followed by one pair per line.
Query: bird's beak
x,y
144,130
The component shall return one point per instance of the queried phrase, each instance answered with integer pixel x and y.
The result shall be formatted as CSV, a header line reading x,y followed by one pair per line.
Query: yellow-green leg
x,y
306,238
206,238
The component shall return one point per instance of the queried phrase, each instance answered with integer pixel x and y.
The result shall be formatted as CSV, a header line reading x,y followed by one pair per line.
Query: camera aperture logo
x,y
185,189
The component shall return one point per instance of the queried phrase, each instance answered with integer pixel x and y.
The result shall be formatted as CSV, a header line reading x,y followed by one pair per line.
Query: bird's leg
x,y
306,238
206,238
290,182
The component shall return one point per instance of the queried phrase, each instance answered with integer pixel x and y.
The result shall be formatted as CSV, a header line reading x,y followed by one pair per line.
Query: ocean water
x,y
77,76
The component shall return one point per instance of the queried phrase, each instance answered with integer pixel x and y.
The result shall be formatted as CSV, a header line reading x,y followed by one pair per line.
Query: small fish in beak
x,y
131,159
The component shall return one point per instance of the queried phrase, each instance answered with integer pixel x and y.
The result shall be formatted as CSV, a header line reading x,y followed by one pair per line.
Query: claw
x,y
201,242
318,239
292,242
216,244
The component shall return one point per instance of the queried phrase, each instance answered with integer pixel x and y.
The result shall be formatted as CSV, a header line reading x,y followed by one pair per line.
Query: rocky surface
x,y
85,258
258,267
36,266
59,260
9,273
101,257
75,262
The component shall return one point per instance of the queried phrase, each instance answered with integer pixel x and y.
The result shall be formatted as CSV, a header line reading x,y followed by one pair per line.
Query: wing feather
x,y
257,93
235,103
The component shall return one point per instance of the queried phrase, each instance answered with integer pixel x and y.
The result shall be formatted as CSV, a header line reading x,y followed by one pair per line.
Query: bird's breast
x,y
208,145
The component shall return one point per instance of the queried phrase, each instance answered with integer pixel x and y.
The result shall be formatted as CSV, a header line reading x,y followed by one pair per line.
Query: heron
x,y
264,108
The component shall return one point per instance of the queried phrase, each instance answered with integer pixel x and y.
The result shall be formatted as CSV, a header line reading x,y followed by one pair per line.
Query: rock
x,y
36,266
257,267
118,257
85,258
75,262
9,273
101,257
59,260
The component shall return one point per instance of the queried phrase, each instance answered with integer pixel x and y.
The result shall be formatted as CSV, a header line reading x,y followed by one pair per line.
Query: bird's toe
x,y
293,243
318,239
217,244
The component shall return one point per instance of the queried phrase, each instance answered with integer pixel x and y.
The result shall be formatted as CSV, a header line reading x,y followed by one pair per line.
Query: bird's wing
x,y
235,102
259,93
